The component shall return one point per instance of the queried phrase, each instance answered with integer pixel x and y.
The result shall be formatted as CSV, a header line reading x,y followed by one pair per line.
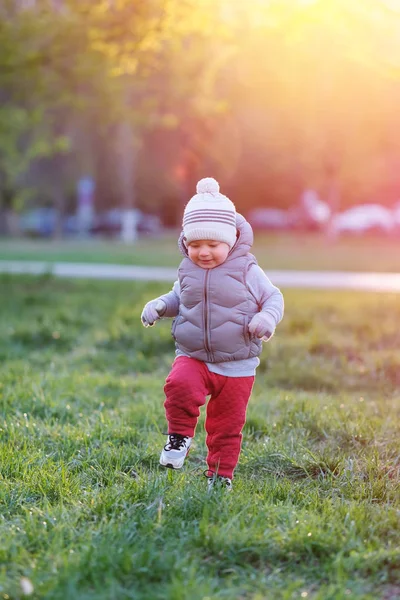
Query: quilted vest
x,y
216,306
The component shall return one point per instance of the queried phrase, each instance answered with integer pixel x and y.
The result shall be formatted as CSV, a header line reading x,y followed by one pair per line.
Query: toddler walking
x,y
224,307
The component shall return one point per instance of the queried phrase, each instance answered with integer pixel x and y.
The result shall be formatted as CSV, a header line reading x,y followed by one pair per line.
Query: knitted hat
x,y
209,215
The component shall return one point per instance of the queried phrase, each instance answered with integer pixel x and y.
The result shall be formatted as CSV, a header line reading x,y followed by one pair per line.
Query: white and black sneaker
x,y
215,482
175,450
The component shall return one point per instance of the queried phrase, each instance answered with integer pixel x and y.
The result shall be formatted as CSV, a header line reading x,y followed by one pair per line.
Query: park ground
x,y
279,250
87,513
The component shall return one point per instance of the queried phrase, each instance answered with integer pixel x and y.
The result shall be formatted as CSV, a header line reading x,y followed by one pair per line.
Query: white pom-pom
x,y
208,185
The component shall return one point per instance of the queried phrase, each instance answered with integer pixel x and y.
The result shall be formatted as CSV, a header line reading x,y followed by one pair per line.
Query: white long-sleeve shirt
x,y
268,297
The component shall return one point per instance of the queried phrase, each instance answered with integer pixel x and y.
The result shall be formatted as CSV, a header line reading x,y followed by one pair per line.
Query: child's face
x,y
208,254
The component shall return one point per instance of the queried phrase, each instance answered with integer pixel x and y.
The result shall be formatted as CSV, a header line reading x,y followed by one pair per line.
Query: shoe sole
x,y
216,486
222,488
174,464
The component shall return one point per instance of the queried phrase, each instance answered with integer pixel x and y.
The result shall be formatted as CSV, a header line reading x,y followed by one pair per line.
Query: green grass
x,y
87,513
274,251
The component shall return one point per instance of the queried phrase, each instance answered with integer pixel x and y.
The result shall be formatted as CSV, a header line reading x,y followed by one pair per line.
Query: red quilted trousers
x,y
186,388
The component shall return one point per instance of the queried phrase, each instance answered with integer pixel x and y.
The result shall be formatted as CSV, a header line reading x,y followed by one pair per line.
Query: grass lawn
x,y
87,513
274,251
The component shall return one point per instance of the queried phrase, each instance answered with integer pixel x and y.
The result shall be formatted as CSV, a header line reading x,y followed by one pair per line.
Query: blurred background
x,y
111,110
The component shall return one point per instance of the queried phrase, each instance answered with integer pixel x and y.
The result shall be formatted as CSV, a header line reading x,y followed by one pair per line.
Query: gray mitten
x,y
262,325
153,311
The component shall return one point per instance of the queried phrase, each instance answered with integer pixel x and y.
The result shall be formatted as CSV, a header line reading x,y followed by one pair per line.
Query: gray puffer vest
x,y
216,306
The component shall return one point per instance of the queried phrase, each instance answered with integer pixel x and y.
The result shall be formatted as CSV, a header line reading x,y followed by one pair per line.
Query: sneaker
x,y
218,482
175,450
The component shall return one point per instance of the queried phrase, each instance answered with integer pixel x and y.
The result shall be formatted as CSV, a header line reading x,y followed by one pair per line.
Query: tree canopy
x,y
269,97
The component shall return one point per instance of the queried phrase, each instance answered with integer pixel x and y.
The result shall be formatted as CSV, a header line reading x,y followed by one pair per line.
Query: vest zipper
x,y
206,332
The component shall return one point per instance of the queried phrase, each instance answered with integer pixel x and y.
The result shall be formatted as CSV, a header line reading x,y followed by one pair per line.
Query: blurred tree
x,y
148,97
45,60
21,140
161,53
320,109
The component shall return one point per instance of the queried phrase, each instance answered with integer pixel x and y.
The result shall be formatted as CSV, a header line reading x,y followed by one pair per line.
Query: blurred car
x,y
269,218
364,218
109,223
42,222
38,222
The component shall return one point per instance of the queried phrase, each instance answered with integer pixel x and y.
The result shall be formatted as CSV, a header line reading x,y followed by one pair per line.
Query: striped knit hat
x,y
209,215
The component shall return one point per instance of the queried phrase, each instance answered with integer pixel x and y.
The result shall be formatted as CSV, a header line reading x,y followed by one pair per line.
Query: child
x,y
223,306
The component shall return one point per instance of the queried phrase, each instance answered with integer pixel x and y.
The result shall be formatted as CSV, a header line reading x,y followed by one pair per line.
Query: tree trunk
x,y
334,203
59,205
3,222
9,222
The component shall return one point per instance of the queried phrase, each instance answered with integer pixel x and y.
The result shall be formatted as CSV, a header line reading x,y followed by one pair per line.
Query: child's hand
x,y
262,325
152,312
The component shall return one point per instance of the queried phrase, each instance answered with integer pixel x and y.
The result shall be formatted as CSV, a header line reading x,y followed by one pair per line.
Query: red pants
x,y
186,388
